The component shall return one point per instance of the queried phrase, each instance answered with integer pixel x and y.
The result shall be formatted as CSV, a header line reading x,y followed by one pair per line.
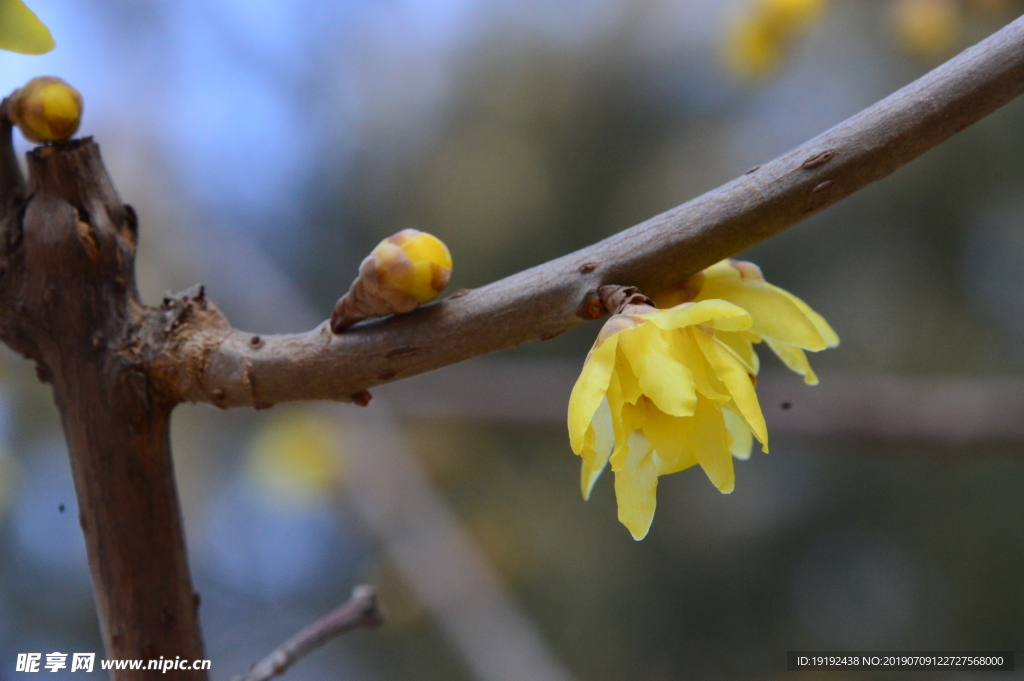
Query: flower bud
x,y
46,110
415,263
403,272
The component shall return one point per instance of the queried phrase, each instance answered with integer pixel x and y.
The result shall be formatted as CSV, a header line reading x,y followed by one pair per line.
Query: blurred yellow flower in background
x,y
294,457
21,30
927,28
660,393
787,324
762,36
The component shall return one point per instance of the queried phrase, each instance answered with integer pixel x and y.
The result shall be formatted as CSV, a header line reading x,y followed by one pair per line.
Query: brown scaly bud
x,y
403,272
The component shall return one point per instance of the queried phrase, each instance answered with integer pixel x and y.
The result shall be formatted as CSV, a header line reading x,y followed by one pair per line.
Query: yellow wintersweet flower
x,y
659,392
21,30
760,38
787,324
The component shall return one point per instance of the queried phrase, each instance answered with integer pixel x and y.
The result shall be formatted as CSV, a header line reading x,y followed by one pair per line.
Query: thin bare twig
x,y
362,610
211,362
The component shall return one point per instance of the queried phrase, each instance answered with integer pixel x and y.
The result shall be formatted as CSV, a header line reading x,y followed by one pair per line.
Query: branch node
x,y
615,298
592,309
818,160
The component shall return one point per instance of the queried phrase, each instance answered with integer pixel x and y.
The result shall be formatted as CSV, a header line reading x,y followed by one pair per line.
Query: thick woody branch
x,y
362,610
230,368
68,302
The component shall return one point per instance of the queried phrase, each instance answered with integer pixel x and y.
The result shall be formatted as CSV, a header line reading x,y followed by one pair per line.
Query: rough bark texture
x,y
231,368
68,301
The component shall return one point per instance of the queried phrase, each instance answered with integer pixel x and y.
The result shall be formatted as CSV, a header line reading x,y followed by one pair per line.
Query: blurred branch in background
x,y
362,610
395,498
950,409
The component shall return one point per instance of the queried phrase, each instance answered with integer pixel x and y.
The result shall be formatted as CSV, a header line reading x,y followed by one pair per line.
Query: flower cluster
x,y
666,389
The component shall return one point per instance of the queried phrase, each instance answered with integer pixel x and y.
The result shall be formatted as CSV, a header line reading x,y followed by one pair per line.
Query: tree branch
x,y
211,362
362,610
68,301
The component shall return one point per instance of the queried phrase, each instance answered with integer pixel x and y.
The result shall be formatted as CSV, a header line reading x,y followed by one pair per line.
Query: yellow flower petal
x,y
21,31
589,390
615,404
795,359
597,447
730,371
636,485
685,350
774,315
741,440
628,381
588,476
830,337
663,379
707,435
742,343
668,435
718,314
723,269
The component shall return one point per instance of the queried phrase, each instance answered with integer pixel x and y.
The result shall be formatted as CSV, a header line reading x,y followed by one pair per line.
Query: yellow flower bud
x,y
21,30
46,110
415,263
403,272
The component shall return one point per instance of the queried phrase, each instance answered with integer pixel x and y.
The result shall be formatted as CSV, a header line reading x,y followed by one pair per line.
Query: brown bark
x,y
68,301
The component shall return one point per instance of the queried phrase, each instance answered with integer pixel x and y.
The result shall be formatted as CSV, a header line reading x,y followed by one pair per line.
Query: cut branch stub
x,y
69,302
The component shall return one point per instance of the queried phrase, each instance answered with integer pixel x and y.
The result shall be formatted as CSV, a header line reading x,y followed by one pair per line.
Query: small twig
x,y
362,610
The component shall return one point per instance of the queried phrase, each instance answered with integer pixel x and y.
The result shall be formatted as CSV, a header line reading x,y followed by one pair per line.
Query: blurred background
x,y
268,146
